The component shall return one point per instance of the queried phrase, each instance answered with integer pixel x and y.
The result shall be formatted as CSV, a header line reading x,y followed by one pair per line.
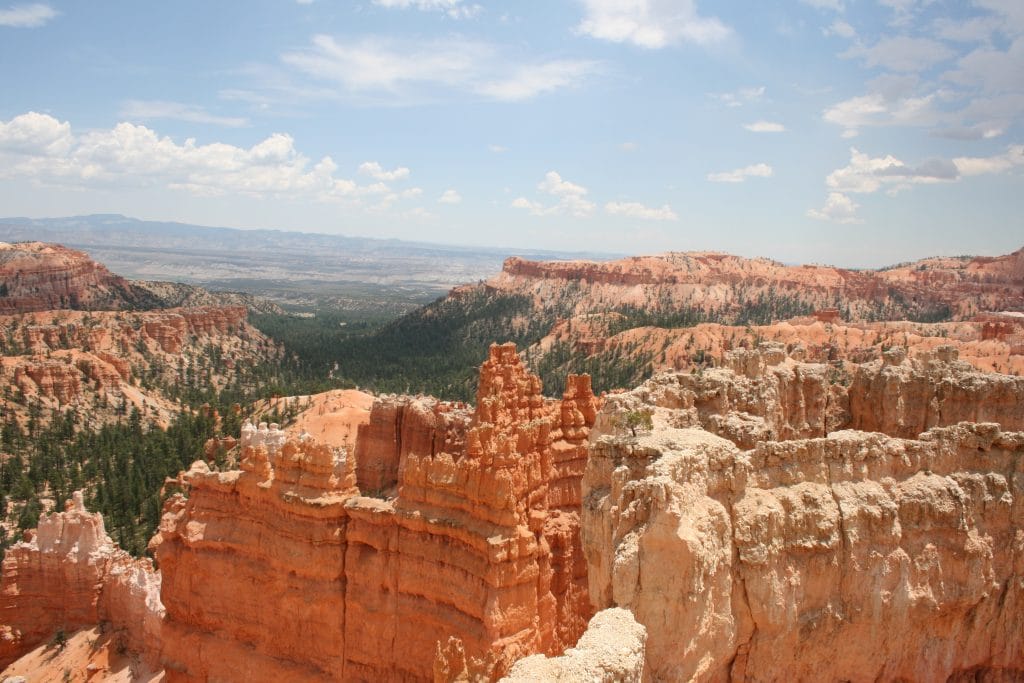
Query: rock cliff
x,y
957,287
795,549
283,569
36,276
103,363
68,574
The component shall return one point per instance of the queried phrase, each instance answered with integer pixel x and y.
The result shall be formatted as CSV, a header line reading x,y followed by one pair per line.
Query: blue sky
x,y
855,132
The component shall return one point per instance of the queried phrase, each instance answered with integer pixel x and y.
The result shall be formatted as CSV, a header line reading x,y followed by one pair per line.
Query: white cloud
x,y
629,146
865,174
146,110
1000,163
45,150
27,16
35,134
739,97
377,172
450,197
428,69
571,198
838,208
529,81
740,174
875,109
902,53
638,210
650,23
765,127
497,149
453,8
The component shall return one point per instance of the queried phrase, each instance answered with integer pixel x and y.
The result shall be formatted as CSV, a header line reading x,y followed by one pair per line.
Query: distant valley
x,y
302,271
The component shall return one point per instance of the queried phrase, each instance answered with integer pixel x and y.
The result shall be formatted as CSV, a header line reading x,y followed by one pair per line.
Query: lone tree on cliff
x,y
637,420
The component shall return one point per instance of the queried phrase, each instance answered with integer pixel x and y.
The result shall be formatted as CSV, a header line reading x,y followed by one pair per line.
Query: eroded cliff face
x,y
67,575
792,548
282,569
959,287
104,363
40,277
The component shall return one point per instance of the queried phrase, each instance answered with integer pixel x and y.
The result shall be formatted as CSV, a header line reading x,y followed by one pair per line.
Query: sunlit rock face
x,y
68,574
284,568
757,537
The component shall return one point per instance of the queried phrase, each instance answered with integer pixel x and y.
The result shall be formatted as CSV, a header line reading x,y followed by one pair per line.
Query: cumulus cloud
x,y
1000,163
43,149
455,9
765,127
571,198
146,110
27,16
638,210
866,174
838,208
740,174
650,24
450,196
427,69
376,171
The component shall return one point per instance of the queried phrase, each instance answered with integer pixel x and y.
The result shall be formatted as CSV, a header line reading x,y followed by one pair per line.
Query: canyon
x,y
770,523
827,496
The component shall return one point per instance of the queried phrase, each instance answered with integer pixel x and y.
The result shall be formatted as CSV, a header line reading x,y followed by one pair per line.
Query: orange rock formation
x,y
40,277
68,574
704,279
282,570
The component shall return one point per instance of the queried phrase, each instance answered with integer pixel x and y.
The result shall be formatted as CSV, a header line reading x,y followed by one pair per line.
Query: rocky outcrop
x,y
851,556
103,363
610,651
68,574
765,394
905,397
481,542
35,276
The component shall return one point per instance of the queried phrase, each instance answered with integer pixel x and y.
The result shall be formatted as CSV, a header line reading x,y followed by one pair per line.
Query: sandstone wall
x,y
276,571
68,574
856,556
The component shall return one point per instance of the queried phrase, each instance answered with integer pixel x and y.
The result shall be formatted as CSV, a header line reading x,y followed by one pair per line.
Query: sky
x,y
851,132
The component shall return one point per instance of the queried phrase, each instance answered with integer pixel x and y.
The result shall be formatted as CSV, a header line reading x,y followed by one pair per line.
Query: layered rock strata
x,y
37,277
768,395
842,555
481,542
959,287
68,574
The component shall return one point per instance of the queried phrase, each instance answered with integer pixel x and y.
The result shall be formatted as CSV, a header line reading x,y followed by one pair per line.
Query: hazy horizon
x,y
857,134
